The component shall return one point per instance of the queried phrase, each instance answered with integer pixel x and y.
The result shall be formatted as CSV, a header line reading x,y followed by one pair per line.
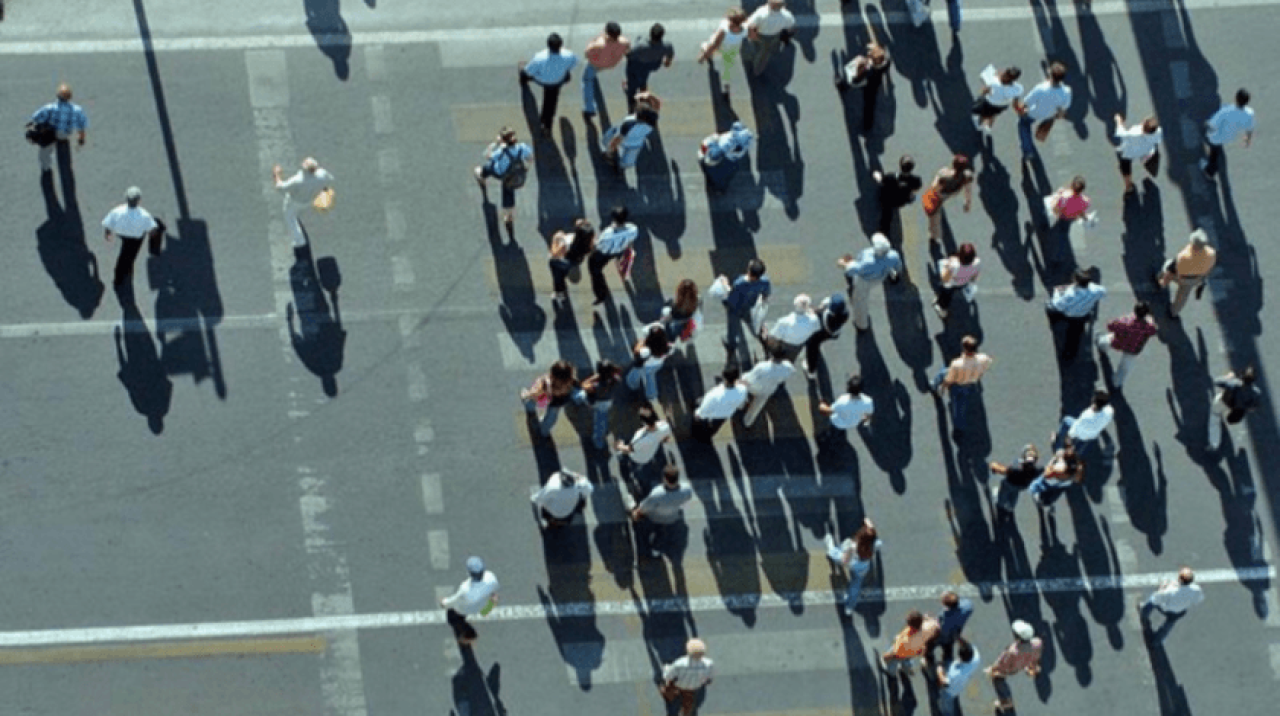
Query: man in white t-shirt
x,y
1085,429
1173,599
719,404
563,496
131,223
476,595
645,444
851,410
300,192
1045,103
765,378
767,28
1141,141
1000,89
1227,125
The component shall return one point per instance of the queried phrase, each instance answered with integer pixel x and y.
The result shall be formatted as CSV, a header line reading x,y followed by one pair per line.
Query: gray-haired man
x,y
870,269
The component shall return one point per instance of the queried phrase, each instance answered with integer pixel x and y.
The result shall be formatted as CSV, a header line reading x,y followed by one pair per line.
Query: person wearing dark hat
x,y
1022,655
476,595
832,313
131,223
1017,477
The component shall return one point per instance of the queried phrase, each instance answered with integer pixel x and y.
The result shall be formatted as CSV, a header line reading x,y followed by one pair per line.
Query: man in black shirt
x,y
896,191
645,57
1017,478
1237,397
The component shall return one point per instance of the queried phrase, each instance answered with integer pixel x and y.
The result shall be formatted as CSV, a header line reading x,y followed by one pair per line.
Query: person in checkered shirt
x,y
66,118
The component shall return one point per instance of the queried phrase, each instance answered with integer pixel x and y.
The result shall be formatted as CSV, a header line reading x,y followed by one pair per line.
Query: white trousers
x,y
291,209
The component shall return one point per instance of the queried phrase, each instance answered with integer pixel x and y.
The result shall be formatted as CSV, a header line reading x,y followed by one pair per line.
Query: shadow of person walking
x,y
61,245
474,692
141,372
324,20
318,338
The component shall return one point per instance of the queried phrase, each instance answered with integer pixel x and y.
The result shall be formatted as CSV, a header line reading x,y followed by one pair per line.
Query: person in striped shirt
x,y
65,118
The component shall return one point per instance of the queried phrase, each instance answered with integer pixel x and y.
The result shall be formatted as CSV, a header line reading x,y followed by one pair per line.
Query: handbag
x,y
758,313
41,134
517,173
931,201
719,288
625,262
324,200
1152,162
1042,130
691,325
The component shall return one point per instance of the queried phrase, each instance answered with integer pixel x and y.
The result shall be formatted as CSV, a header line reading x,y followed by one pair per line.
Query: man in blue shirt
x,y
869,270
953,679
951,620
66,118
746,291
549,68
1077,304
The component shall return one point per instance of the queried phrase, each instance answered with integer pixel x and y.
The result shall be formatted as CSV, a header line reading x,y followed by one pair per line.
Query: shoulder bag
x,y
517,172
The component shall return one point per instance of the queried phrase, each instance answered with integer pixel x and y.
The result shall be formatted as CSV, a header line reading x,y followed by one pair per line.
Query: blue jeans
x,y
960,395
1026,136
1083,447
953,15
946,703
549,418
649,375
589,88
599,418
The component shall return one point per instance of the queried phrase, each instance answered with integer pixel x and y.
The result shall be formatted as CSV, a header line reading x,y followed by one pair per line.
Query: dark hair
x,y
960,163
755,268
686,296
906,164
1141,309
1081,277
1057,72
731,374
915,619
656,341
864,542
647,416
969,344
561,372
964,649
1013,71
607,368
1077,184
619,214
775,350
966,253
1248,375
854,385
950,600
1101,398
1242,96
555,42
566,478
670,474
612,29
1150,125
646,115
657,32
583,234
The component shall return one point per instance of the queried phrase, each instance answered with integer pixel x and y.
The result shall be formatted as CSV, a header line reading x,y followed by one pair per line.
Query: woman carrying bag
x,y
683,314
648,356
504,160
957,272
551,392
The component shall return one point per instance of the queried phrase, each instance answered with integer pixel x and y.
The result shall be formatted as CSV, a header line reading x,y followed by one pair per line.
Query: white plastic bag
x,y
758,313
719,289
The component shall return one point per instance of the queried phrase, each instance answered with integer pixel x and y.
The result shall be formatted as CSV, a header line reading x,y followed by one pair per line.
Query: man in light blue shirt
x,y
549,68
1077,304
870,269
1224,127
955,677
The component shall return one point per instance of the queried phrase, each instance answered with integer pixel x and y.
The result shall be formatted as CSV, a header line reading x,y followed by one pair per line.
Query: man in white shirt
x,y
999,90
1045,103
1085,429
1227,125
719,404
853,409
549,68
645,443
765,378
131,223
476,595
563,496
300,192
795,329
660,509
613,243
1141,141
688,674
1172,599
768,27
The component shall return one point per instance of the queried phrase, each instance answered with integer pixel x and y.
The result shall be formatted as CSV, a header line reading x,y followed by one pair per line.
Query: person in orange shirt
x,y
908,644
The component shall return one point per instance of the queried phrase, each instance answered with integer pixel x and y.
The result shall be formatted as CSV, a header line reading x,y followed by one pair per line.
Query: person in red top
x,y
1127,336
602,53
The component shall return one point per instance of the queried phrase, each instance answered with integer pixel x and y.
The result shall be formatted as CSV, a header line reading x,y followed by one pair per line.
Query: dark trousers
x,y
704,430
129,249
1075,331
560,269
888,212
461,629
550,99
1170,618
596,265
813,348
1211,162
870,94
945,294
637,79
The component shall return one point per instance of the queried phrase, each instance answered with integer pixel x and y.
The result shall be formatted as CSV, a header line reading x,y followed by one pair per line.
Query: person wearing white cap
x,y
476,595
131,223
1189,269
1022,655
300,192
870,269
684,677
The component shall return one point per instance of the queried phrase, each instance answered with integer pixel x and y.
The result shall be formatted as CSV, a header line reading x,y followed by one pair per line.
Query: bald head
x,y
310,165
64,92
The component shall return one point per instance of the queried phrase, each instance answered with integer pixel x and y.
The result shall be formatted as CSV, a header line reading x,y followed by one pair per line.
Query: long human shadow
x,y
659,194
1104,86
1024,603
914,51
184,273
324,20
1242,534
474,692
1171,695
523,317
60,241
865,190
318,338
995,191
777,114
567,552
1145,491
1070,630
559,197
729,535
141,372
890,441
1053,37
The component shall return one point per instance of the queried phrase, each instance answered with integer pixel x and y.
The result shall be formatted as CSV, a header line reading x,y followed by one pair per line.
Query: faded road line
x,y
163,650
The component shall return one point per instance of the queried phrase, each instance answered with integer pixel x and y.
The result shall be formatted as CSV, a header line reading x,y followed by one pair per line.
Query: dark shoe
x,y
588,115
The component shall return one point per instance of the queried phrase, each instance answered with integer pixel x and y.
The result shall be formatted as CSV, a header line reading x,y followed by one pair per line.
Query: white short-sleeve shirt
x,y
1045,101
303,186
645,443
848,411
129,222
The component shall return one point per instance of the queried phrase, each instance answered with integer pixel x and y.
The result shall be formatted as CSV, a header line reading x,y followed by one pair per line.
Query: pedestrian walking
x,y
898,659
856,554
551,392
1017,476
550,68
661,510
614,243
604,52
132,224
1228,124
720,155
562,497
1127,336
896,191
648,356
949,181
719,404
310,189
726,41
568,250
505,160
866,72
644,58
767,28
621,143
1237,397
766,378
1046,103
794,330
1172,599
852,409
478,594
1189,269
1141,142
872,267
953,678
1085,429
747,298
1065,469
1077,304
646,442
955,613
1000,89
683,678
597,391
1062,209
961,379
682,315
1022,655
958,273
832,314
55,123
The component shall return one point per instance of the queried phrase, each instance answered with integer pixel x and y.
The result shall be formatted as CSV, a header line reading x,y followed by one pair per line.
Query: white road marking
x,y
438,548
417,382
1116,505
1126,556
528,612
402,276
381,108
1274,650
397,226
432,494
375,62
389,166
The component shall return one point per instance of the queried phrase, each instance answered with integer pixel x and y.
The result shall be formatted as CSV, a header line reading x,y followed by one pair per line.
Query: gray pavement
x,y
196,470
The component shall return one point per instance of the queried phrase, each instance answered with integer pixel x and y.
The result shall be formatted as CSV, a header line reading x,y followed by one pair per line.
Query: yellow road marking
x,y
163,650
479,123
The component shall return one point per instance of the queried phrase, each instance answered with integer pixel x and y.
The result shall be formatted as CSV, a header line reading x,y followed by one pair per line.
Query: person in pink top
x,y
957,272
602,53
1022,655
1061,208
